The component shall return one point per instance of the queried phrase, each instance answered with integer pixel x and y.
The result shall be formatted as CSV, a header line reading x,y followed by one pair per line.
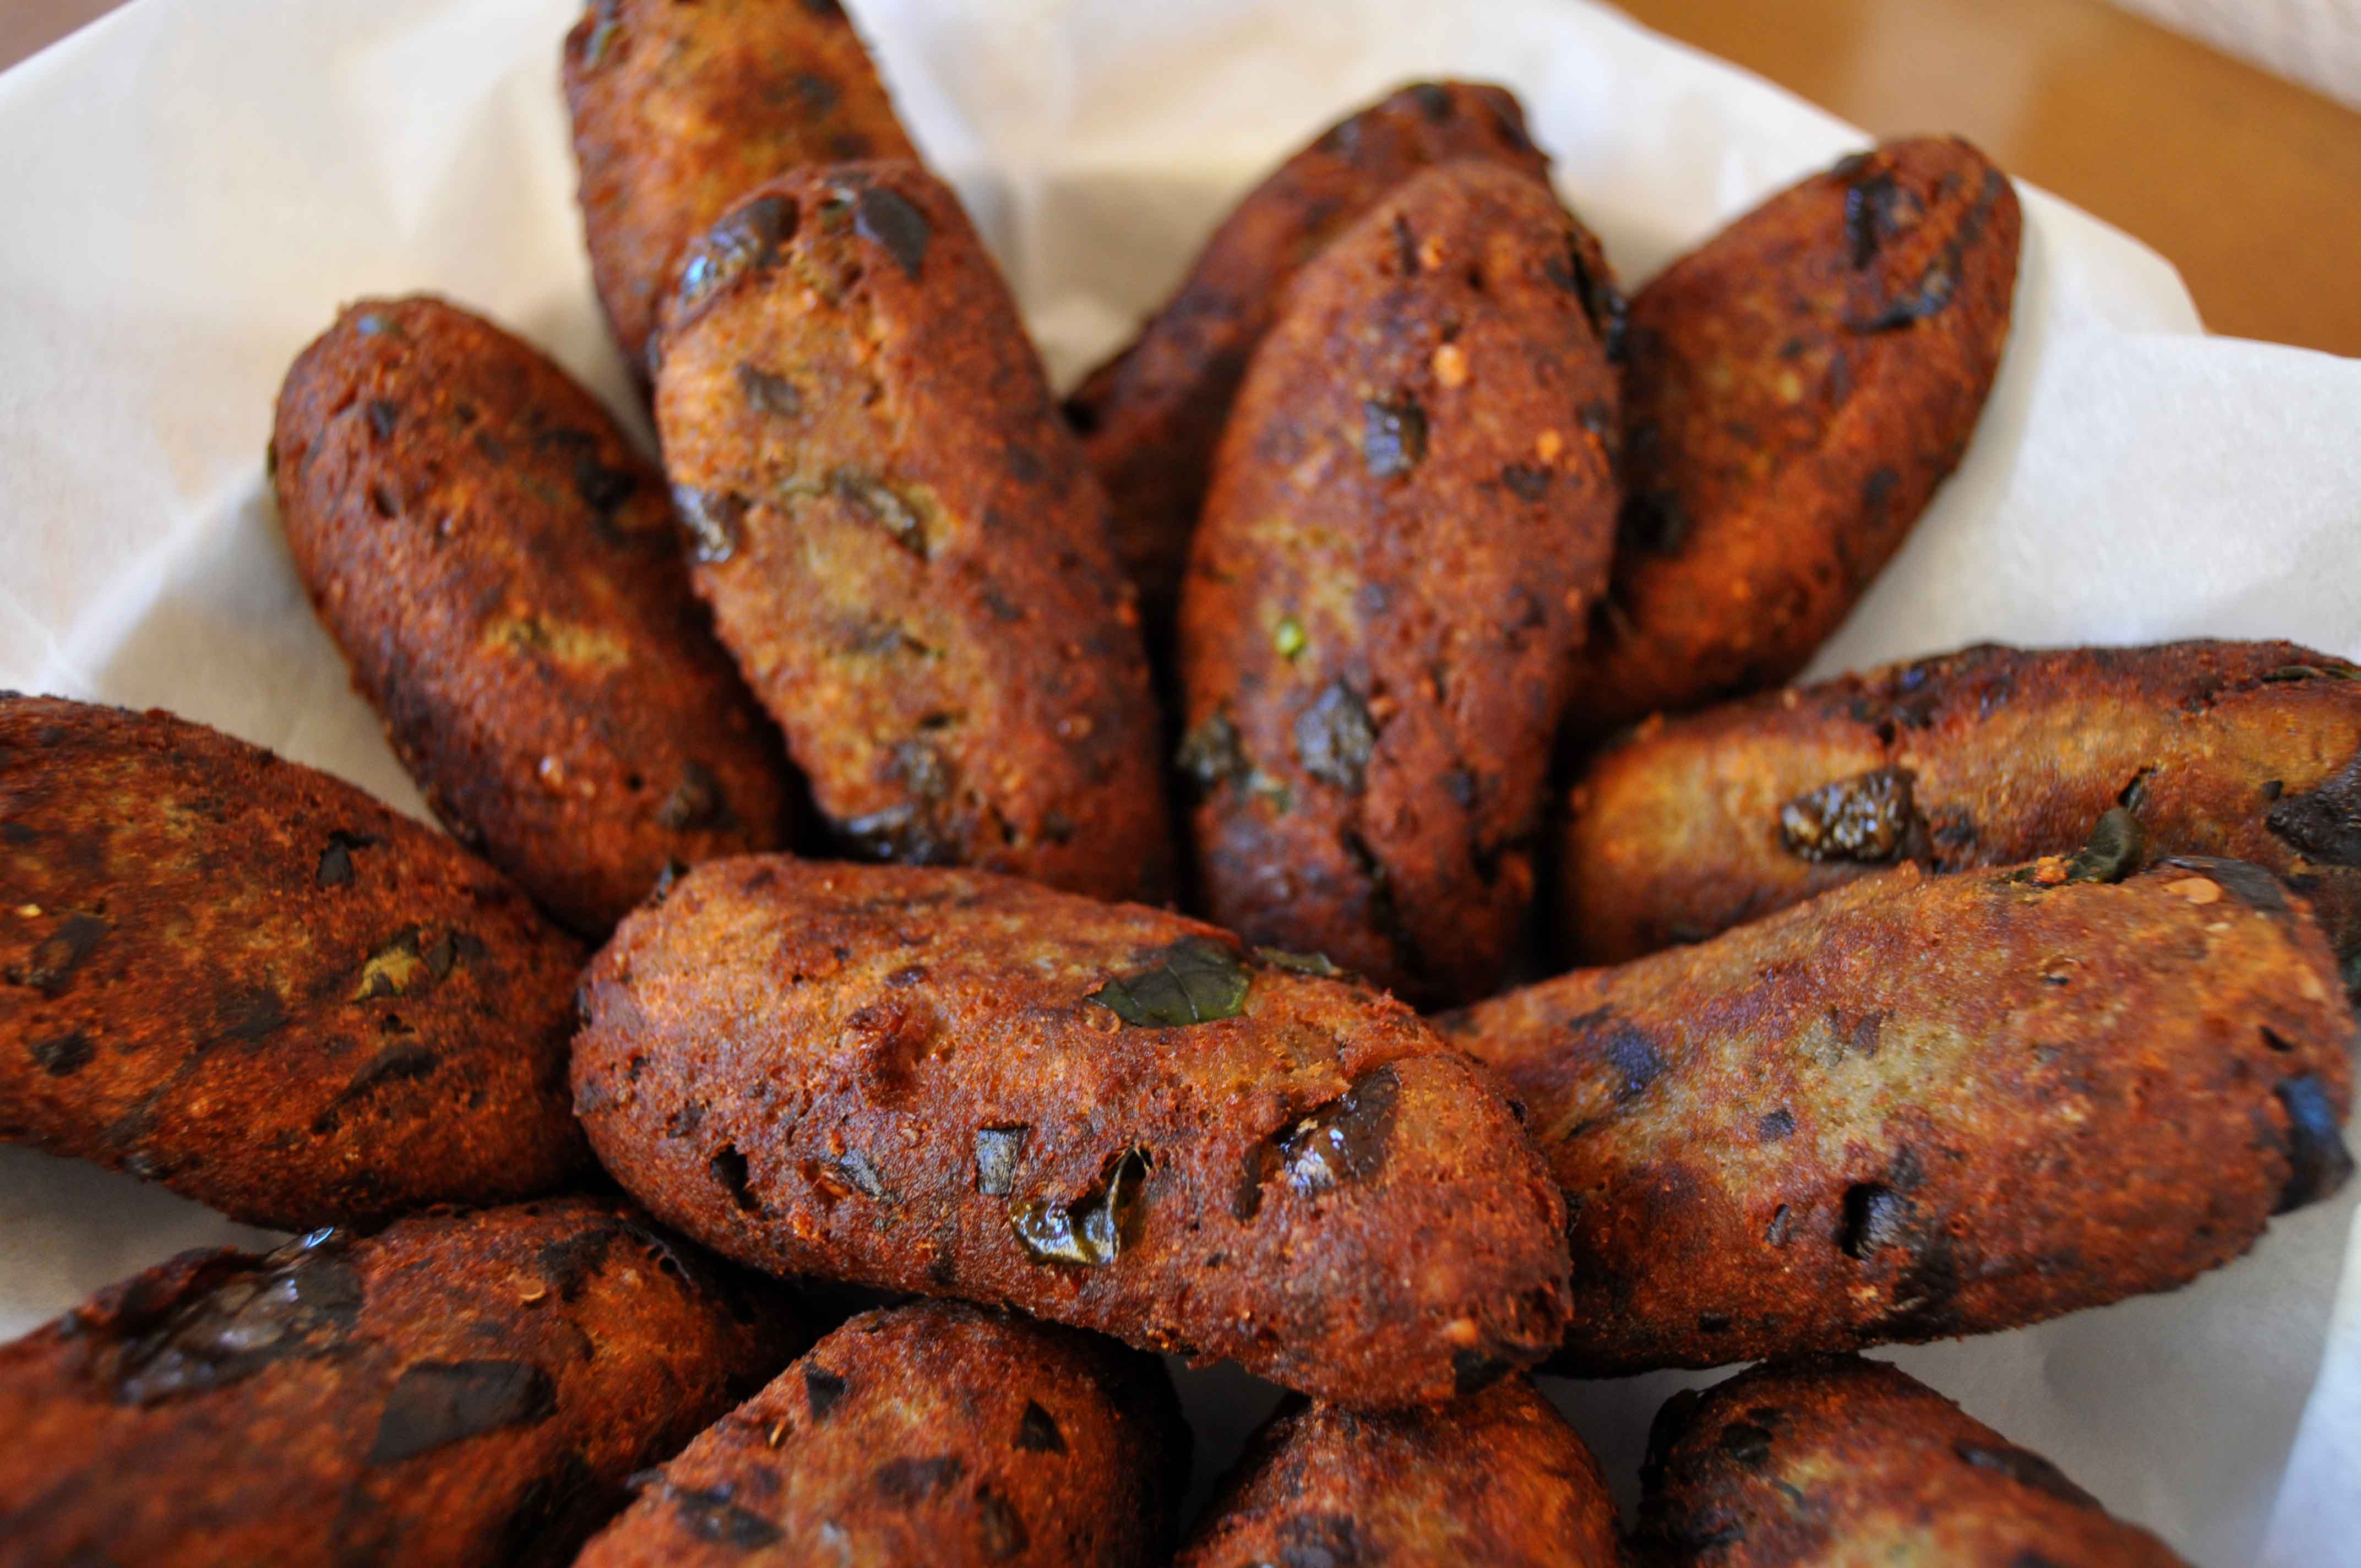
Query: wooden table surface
x,y
2250,184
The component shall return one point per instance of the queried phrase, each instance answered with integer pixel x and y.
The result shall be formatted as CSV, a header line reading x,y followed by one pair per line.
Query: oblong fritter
x,y
1918,1106
460,1389
1793,390
249,981
498,565
1833,1460
900,540
1151,417
1496,1478
680,110
1411,516
1989,756
962,1084
938,1434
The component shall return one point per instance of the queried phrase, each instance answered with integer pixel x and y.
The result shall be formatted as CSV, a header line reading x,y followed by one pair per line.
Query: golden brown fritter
x,y
1839,1462
936,1433
1498,1478
679,110
965,1085
1983,757
462,1389
498,565
1792,393
1411,516
1151,417
1919,1106
900,540
249,981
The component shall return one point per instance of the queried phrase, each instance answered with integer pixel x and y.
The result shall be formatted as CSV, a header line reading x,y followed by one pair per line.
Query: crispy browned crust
x,y
936,1433
900,540
461,1389
1924,1106
1792,393
1151,417
1411,516
1498,1478
916,1079
249,981
679,110
498,565
2250,750
1833,1460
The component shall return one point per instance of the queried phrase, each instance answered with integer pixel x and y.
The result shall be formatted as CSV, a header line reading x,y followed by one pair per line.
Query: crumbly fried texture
x,y
1496,1478
1411,516
936,1433
1840,1463
679,110
460,1389
1151,417
1792,393
1985,757
965,1085
900,540
1920,1106
249,981
498,567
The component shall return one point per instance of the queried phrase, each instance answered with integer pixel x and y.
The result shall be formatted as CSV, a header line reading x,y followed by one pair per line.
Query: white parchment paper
x,y
189,188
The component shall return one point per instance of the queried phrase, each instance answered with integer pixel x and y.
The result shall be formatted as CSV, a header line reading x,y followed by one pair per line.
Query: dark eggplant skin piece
x,y
248,981
955,1084
1794,390
1496,1478
1150,418
461,1388
936,1433
1411,515
900,541
680,110
1830,1459
1989,756
1918,1106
